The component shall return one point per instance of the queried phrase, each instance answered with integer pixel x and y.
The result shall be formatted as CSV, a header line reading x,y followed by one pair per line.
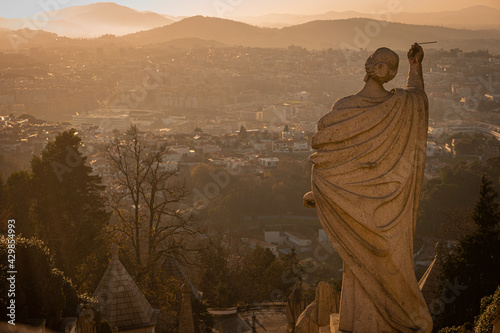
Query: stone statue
x,y
317,314
295,305
86,320
366,180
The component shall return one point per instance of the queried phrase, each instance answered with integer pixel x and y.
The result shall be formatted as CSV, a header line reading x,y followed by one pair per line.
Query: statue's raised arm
x,y
415,76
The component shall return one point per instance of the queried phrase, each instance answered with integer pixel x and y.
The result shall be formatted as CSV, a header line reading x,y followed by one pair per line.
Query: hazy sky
x,y
228,8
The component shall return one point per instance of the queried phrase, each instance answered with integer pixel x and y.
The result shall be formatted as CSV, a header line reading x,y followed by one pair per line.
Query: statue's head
x,y
382,65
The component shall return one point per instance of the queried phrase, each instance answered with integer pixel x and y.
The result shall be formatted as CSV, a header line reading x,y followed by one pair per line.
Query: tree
x,y
486,214
243,132
216,278
69,207
454,189
42,291
286,129
254,285
489,307
148,198
294,269
203,318
473,268
161,290
19,200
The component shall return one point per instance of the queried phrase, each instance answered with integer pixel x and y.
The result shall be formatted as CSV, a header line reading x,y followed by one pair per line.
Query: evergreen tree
x,y
286,129
243,132
18,201
295,269
42,291
253,276
472,270
69,208
486,214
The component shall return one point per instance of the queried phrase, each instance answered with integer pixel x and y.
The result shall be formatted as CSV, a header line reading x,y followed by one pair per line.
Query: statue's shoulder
x,y
340,104
346,102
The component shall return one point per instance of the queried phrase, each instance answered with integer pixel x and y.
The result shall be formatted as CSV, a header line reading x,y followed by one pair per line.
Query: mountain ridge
x,y
93,20
314,35
321,34
485,18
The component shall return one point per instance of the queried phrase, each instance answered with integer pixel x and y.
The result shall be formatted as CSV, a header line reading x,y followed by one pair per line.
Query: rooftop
x,y
122,303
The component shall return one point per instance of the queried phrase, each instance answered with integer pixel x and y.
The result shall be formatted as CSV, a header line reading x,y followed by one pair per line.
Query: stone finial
x,y
186,322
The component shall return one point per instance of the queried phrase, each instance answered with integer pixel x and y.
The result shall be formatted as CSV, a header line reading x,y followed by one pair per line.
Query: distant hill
x,y
207,28
318,34
476,17
201,31
94,20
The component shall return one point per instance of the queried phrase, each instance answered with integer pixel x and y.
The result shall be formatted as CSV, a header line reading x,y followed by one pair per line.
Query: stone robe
x,y
366,181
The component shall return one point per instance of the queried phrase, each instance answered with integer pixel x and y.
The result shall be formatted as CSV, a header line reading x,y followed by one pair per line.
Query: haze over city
x,y
250,166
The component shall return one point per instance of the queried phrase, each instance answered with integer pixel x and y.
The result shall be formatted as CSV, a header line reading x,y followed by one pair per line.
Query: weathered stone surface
x,y
295,305
334,324
307,323
186,322
317,314
366,181
327,302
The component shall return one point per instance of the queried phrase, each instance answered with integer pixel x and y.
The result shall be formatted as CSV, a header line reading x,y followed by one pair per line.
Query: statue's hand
x,y
309,201
415,54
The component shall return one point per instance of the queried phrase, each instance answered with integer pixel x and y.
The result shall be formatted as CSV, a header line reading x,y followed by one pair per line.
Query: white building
x,y
269,162
301,146
275,237
254,243
298,241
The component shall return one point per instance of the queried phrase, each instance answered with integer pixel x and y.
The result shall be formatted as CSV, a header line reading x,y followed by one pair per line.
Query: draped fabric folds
x,y
366,180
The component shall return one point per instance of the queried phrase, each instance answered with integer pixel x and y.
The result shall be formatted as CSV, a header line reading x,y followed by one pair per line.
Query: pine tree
x,y
472,270
69,208
486,214
18,201
243,132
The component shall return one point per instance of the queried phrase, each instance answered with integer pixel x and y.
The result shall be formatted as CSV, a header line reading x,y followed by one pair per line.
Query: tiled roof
x,y
122,303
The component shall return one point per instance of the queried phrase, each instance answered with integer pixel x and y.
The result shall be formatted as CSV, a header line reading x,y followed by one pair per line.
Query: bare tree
x,y
148,197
